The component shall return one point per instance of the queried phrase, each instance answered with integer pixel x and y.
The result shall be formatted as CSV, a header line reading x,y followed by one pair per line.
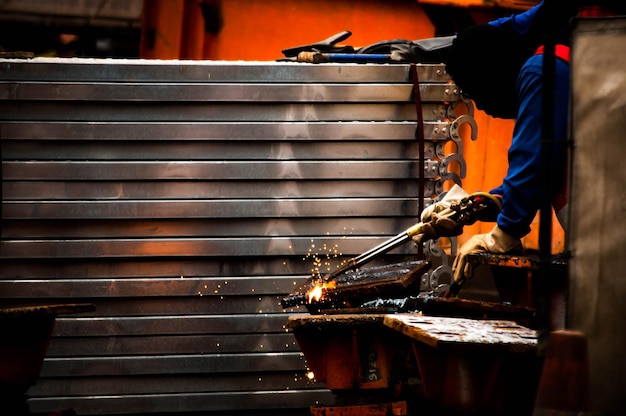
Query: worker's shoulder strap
x,y
560,51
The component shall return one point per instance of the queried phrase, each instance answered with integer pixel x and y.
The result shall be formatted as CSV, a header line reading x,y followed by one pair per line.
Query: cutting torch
x,y
466,211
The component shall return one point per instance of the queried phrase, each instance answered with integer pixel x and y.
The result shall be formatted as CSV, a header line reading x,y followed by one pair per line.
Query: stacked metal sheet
x,y
184,199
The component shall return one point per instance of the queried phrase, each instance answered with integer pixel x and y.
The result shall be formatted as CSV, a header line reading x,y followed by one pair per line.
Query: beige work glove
x,y
495,241
455,194
438,223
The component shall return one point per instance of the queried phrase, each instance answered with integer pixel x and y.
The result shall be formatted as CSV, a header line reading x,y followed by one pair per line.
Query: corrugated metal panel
x,y
185,199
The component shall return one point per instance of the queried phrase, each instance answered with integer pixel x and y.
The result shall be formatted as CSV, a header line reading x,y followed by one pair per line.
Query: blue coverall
x,y
521,189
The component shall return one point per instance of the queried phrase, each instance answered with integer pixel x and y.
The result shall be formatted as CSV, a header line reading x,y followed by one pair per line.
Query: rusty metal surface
x,y
353,288
347,320
445,332
432,305
530,262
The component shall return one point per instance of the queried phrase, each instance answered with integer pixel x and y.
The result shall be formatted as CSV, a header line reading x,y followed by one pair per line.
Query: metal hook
x,y
453,157
456,124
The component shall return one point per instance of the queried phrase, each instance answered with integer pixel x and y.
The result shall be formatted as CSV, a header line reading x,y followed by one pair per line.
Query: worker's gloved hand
x,y
440,225
455,194
437,218
496,241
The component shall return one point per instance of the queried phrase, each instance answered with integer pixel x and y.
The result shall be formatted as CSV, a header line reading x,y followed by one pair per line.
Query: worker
x,y
500,67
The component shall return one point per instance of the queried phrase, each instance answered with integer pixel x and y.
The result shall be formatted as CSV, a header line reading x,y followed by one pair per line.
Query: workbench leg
x,y
456,380
476,382
564,385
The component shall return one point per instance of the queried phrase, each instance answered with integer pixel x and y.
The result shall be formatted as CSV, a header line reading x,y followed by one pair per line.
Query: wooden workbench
x,y
473,366
464,365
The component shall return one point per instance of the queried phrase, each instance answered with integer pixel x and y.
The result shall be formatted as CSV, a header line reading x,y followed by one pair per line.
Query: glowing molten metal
x,y
316,293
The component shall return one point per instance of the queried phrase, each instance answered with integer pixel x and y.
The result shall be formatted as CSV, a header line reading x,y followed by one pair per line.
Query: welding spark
x,y
317,292
322,259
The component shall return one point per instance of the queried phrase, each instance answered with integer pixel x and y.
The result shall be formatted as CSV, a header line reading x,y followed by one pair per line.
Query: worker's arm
x,y
520,23
523,184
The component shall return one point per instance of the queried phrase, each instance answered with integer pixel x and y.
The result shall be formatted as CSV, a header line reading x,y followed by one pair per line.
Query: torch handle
x,y
379,250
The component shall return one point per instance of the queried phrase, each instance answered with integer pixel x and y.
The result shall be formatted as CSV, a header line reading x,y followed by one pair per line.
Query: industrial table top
x,y
447,333
438,332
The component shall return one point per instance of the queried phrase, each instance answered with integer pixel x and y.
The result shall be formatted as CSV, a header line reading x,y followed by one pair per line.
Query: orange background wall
x,y
258,30
261,29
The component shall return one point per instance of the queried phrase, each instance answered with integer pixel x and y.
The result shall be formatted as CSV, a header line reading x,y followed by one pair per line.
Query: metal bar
x,y
543,285
420,135
227,208
129,190
164,402
173,344
184,304
224,131
297,266
169,325
213,92
209,150
184,247
227,111
210,170
198,130
212,287
176,304
148,384
173,364
146,71
238,227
